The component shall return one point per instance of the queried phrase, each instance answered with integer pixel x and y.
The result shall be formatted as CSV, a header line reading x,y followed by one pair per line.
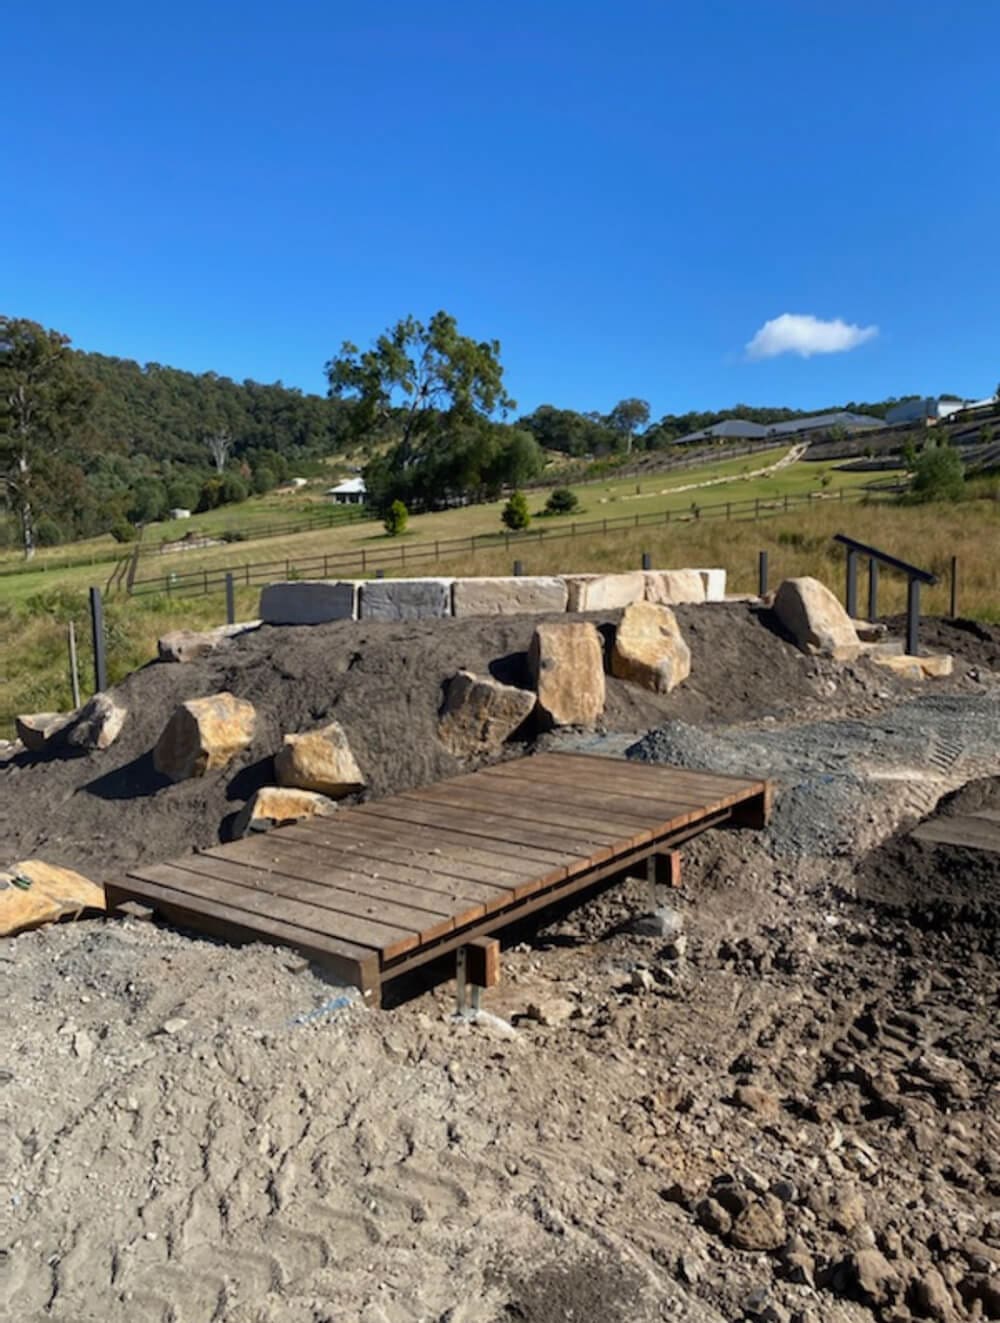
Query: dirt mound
x,y
103,813
975,643
937,885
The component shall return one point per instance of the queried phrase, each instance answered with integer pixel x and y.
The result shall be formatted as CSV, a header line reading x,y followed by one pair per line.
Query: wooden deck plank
x,y
521,807
300,857
497,826
575,785
709,791
377,844
398,809
368,859
458,845
356,964
380,937
587,795
680,775
327,890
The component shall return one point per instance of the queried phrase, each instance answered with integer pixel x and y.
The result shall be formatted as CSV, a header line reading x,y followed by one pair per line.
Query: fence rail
x,y
364,562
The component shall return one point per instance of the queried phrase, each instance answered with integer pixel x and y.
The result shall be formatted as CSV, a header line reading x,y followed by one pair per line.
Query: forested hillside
x,y
91,444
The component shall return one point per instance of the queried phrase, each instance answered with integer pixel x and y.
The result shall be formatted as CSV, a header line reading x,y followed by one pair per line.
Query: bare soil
x,y
791,1115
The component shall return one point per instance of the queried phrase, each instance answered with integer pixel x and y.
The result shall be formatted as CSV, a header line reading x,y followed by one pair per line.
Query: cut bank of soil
x,y
105,812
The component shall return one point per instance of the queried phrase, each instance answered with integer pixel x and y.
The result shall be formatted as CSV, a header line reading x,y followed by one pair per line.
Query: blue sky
x,y
624,194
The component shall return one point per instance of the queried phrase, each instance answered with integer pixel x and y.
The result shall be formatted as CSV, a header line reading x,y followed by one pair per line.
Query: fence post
x,y
518,569
380,573
761,573
230,599
912,616
647,561
954,587
97,630
852,583
873,589
74,674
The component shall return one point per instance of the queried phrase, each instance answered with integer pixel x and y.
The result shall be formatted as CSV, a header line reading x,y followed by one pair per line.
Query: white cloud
x,y
805,335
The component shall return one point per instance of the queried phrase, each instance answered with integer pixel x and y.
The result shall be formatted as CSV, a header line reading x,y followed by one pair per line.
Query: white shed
x,y
351,491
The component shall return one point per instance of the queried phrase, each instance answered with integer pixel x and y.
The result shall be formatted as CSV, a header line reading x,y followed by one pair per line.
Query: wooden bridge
x,y
377,889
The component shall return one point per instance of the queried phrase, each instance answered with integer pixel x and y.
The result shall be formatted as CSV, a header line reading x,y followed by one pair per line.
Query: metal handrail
x,y
914,576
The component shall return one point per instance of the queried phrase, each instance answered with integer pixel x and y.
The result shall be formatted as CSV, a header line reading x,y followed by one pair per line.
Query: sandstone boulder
x,y
650,649
98,723
40,732
204,734
33,893
319,760
816,620
188,645
714,582
567,664
673,587
604,592
479,713
908,667
279,806
510,595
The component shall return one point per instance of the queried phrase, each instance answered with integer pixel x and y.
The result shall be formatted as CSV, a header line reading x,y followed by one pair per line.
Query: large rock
x,y
40,732
604,592
279,806
33,893
309,602
649,648
319,760
509,596
204,734
405,599
909,667
98,723
674,587
479,713
188,645
816,620
567,663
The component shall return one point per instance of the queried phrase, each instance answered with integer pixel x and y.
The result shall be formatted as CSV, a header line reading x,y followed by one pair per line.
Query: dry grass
x,y
35,677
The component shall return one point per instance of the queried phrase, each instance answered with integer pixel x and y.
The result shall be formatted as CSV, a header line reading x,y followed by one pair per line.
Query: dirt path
x,y
791,457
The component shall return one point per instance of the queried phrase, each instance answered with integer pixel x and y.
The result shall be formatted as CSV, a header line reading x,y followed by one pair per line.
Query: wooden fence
x,y
399,557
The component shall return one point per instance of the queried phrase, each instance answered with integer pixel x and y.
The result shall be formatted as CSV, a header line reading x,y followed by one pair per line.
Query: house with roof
x,y
351,491
739,429
931,410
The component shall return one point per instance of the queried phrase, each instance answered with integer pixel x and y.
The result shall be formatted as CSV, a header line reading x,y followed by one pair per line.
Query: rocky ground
x,y
785,1108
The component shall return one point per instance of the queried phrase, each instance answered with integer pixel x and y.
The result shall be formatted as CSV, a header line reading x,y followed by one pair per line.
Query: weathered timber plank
x,y
370,901
490,825
355,964
581,786
402,811
374,847
649,781
519,808
363,931
683,773
458,845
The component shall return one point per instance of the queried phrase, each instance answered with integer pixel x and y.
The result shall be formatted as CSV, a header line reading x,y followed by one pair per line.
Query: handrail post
x,y
912,616
761,573
852,583
872,589
954,587
230,600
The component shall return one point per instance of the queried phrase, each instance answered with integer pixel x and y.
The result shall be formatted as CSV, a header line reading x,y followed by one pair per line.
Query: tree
x,y
419,382
562,501
396,519
626,417
42,400
938,474
515,514
220,445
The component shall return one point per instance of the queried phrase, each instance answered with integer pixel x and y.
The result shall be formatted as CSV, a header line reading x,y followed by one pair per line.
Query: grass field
x,y
612,499
34,673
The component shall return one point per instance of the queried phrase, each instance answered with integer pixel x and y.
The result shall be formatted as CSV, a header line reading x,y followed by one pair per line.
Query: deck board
x,y
382,886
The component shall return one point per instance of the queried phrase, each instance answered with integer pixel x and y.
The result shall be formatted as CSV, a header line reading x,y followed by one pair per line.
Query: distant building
x,y
932,410
297,482
180,513
737,429
350,492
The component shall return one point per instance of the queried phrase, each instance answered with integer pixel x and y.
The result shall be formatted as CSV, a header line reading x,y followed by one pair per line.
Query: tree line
x,y
91,443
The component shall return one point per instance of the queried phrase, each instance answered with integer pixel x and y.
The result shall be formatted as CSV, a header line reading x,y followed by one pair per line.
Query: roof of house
x,y
348,487
729,427
739,428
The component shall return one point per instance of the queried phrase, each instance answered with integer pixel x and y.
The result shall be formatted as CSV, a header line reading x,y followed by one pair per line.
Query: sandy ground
x,y
792,1114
